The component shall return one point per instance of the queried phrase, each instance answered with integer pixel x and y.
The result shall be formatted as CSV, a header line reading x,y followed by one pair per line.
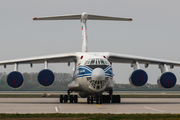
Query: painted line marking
x,y
82,101
56,109
97,105
154,109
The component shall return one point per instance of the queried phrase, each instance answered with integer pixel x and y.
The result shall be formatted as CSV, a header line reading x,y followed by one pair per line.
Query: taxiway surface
x,y
52,105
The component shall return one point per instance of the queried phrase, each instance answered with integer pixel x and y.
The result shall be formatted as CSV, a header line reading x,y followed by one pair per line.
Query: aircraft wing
x,y
59,58
122,58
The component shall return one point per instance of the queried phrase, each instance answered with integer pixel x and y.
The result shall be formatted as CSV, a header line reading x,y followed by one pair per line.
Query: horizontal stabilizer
x,y
98,17
83,16
63,17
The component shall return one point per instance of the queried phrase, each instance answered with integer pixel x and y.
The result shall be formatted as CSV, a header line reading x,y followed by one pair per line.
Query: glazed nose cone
x,y
98,74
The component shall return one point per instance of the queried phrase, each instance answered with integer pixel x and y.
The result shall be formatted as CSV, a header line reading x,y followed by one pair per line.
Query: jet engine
x,y
138,78
167,80
15,79
45,77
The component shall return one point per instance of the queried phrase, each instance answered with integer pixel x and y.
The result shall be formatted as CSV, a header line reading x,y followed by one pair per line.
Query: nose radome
x,y
98,74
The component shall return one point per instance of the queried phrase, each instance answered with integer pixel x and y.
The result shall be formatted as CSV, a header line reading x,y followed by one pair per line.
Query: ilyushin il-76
x,y
92,71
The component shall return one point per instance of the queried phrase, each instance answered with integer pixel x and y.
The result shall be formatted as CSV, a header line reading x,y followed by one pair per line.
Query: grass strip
x,y
95,116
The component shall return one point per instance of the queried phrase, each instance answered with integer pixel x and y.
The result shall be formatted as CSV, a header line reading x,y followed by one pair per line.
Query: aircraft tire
x,y
113,99
100,101
103,99
75,99
119,99
91,100
88,100
71,99
65,99
97,100
116,99
61,99
108,98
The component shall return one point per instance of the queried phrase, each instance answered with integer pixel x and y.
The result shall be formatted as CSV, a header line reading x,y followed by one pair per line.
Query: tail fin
x,y
83,17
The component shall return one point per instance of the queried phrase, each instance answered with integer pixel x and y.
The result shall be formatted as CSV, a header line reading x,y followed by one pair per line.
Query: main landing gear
x,y
90,99
70,98
104,99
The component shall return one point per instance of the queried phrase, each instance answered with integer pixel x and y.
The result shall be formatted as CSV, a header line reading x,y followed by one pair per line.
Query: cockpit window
x,y
88,62
93,62
97,61
106,63
102,62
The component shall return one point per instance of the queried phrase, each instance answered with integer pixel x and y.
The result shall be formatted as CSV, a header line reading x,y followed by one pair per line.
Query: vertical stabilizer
x,y
84,32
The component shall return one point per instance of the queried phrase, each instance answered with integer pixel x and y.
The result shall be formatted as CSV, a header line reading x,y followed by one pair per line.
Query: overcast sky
x,y
154,32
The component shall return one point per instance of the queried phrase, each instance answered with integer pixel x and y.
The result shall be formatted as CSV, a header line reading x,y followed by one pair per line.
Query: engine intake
x,y
46,77
138,78
167,80
15,79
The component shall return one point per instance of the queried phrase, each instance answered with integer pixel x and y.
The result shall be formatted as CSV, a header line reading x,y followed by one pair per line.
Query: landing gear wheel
x,y
119,99
103,99
116,99
100,100
65,99
97,100
88,100
108,98
91,100
75,99
71,99
113,99
61,99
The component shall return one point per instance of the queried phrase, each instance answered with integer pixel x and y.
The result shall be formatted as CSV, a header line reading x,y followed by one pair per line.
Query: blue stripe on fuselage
x,y
84,71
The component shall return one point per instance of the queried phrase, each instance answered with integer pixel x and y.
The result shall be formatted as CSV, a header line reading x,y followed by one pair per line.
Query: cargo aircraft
x,y
92,71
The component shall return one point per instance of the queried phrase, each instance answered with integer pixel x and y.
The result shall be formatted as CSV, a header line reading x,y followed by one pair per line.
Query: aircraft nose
x,y
98,74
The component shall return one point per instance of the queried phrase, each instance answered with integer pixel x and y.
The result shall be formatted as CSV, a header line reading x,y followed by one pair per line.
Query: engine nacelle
x,y
138,78
15,79
46,77
167,80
